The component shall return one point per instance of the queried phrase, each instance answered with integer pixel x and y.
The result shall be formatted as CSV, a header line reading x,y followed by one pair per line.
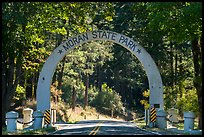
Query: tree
x,y
84,15
83,60
15,18
128,78
108,99
183,22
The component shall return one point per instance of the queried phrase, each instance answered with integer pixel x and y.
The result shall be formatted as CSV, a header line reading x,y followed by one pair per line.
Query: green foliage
x,y
108,98
42,131
145,101
67,93
170,96
81,61
92,93
182,21
182,96
20,93
67,89
188,101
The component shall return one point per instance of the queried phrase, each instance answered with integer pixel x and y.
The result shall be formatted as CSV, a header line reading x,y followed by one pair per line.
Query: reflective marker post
x,y
153,116
47,118
54,116
147,117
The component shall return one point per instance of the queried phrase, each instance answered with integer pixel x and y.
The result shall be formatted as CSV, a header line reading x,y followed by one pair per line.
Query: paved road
x,y
101,127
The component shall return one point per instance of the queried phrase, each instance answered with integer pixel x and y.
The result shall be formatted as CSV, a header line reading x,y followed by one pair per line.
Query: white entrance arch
x,y
46,74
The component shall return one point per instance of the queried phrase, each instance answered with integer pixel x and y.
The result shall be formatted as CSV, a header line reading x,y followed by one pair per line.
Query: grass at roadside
x,y
42,131
141,123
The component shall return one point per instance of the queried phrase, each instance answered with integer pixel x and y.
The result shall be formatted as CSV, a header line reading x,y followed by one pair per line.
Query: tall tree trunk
x,y
54,78
29,88
11,72
86,92
4,87
33,86
197,54
99,81
59,38
25,81
11,84
116,81
171,65
180,83
61,74
36,81
73,98
175,69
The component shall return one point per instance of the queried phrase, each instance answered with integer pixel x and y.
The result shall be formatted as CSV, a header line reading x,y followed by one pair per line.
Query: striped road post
x,y
153,115
47,118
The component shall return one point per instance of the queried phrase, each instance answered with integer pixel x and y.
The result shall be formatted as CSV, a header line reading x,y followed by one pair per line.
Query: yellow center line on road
x,y
96,129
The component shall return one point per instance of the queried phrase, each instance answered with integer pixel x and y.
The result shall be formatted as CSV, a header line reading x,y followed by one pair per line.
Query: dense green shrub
x,y
188,101
19,96
108,98
182,97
